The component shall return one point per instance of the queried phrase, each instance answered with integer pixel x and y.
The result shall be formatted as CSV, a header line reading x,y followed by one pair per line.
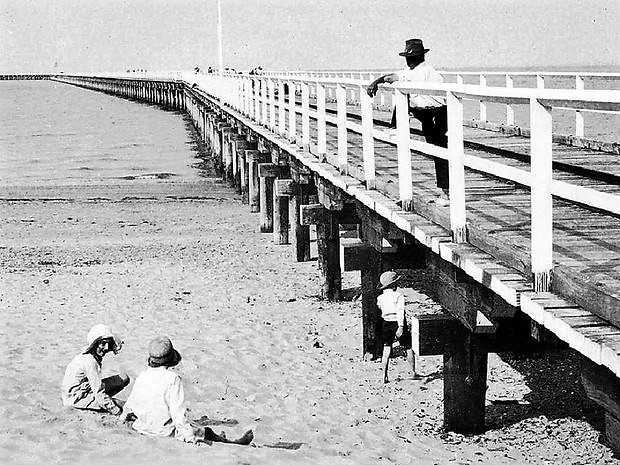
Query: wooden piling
x,y
328,243
267,173
254,157
301,233
465,383
372,324
282,194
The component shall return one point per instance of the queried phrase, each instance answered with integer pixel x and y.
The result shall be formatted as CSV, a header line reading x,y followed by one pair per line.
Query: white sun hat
x,y
99,332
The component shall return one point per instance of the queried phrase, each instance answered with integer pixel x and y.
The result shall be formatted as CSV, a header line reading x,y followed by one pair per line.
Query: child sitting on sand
x,y
157,402
392,306
82,386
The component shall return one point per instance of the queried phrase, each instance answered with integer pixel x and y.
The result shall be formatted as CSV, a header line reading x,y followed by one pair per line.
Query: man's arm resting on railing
x,y
386,78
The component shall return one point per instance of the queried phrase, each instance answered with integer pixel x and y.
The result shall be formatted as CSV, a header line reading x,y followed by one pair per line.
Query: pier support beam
x,y
328,244
301,232
254,158
282,193
603,387
267,173
465,383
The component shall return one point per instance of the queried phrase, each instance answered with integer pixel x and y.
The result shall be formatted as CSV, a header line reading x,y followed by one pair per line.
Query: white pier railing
x,y
261,98
504,79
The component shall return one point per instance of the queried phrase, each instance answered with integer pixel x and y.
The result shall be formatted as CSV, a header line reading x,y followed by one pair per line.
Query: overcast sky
x,y
110,35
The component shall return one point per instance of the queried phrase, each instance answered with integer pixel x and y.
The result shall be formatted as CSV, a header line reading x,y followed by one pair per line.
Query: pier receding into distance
x,y
526,252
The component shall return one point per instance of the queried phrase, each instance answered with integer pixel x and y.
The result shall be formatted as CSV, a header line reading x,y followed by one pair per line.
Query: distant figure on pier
x,y
392,306
196,69
82,385
156,405
257,71
430,110
210,70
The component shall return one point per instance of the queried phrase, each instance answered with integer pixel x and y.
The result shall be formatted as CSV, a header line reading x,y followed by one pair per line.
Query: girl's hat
x,y
387,279
99,332
162,353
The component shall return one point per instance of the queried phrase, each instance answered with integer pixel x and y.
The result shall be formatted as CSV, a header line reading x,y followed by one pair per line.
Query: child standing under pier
x,y
392,306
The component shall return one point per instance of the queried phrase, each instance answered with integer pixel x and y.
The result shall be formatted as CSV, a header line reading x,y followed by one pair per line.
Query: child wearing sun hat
x,y
392,306
157,402
82,385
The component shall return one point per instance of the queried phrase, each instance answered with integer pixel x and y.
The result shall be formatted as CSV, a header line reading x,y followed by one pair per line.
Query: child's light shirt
x,y
82,386
158,401
422,73
392,305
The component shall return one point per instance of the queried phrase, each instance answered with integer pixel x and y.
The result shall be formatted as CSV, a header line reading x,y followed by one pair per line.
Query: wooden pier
x,y
527,250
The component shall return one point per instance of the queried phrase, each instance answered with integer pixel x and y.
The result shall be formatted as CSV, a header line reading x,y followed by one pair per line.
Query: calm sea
x,y
54,134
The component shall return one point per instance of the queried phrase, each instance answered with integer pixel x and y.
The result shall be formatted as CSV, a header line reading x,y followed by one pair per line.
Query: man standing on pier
x,y
430,110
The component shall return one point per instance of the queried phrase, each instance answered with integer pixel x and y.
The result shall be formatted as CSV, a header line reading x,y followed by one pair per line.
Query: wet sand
x,y
182,257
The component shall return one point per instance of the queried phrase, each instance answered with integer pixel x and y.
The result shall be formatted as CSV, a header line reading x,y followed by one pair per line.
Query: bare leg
x,y
244,440
385,362
411,361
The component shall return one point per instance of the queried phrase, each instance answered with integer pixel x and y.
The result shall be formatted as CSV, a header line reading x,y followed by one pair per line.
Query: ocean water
x,y
56,134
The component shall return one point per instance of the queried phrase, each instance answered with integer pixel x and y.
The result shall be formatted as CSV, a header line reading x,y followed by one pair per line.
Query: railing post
x,y
540,81
483,105
272,105
256,99
456,169
341,107
579,122
510,112
292,124
403,146
305,115
281,108
459,79
321,127
368,142
264,96
541,199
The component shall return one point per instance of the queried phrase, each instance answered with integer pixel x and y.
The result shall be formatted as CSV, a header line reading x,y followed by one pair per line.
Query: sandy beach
x,y
260,349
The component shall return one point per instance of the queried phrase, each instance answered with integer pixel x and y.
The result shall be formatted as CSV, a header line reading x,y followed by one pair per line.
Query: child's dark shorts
x,y
389,334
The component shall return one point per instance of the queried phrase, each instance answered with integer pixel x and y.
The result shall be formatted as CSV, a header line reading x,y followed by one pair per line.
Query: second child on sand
x,y
392,306
157,402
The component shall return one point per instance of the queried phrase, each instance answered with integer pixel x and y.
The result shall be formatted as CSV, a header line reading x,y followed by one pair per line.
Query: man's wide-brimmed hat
x,y
413,47
99,332
387,279
162,353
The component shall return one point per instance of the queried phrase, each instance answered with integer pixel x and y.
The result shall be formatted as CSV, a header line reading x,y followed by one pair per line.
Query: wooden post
x,y
305,115
254,157
368,144
301,232
372,324
603,387
292,125
465,383
483,105
320,122
282,193
341,105
267,173
328,242
405,186
281,108
456,169
510,112
542,201
579,122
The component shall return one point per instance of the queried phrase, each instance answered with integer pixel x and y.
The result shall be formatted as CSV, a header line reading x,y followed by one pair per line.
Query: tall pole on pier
x,y
220,57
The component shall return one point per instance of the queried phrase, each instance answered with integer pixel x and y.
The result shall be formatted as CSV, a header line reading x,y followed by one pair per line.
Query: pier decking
x,y
532,232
